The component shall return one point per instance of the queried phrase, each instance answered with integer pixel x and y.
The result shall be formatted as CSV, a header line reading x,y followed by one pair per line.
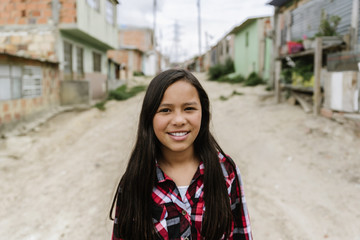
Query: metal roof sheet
x,y
278,3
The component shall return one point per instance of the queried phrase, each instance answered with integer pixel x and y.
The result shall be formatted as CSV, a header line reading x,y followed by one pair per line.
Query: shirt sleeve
x,y
241,224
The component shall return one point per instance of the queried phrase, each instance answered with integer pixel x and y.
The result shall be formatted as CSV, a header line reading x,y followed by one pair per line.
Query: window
x,y
5,83
20,82
94,4
80,61
110,12
68,64
31,81
96,62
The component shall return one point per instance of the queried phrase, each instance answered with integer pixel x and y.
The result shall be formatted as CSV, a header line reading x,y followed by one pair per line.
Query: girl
x,y
178,184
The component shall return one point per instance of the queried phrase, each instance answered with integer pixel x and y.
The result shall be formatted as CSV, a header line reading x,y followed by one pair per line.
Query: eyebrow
x,y
185,104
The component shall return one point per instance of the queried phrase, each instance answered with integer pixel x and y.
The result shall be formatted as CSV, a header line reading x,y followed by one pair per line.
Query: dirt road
x,y
301,173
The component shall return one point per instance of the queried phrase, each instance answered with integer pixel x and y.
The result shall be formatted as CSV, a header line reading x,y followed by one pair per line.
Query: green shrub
x,y
101,105
138,73
238,79
136,89
220,70
253,80
224,79
215,72
120,94
229,66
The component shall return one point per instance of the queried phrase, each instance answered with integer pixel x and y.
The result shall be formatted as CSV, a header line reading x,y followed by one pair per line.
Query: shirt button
x,y
184,213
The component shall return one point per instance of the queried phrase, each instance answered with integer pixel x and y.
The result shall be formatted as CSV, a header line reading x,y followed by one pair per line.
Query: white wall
x,y
95,24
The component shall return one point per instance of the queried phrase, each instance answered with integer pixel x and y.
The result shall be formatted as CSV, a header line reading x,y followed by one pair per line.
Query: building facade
x,y
74,33
136,51
53,52
253,47
29,88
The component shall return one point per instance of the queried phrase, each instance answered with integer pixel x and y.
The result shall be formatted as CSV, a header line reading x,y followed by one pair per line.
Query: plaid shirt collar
x,y
162,177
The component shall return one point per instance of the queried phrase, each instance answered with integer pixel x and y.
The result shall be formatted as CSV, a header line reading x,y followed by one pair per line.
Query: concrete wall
x,y
97,85
75,92
22,109
94,23
247,50
253,49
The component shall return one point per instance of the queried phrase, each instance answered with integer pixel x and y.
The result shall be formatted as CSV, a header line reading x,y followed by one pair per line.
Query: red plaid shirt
x,y
175,217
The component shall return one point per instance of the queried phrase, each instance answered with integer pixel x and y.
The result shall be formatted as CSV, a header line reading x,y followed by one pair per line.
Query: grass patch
x,y
120,94
231,79
253,80
100,105
234,93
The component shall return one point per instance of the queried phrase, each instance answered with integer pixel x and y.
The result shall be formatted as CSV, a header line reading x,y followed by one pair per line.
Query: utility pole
x,y
176,40
154,26
199,29
157,67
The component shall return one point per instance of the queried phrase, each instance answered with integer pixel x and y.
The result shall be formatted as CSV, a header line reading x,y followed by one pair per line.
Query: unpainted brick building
x,y
71,35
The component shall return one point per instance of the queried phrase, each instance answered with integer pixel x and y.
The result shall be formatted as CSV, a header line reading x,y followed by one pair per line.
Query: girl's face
x,y
177,121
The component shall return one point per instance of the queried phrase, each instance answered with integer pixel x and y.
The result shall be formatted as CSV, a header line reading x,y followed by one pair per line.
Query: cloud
x,y
217,19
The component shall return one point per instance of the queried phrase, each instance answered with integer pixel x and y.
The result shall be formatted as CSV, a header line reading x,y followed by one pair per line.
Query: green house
x,y
252,47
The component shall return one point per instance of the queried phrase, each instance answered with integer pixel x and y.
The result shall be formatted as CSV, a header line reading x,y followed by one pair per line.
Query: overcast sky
x,y
218,17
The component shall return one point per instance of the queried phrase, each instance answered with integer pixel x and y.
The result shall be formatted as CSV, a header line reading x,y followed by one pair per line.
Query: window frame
x,y
94,4
80,61
110,7
96,61
29,81
68,60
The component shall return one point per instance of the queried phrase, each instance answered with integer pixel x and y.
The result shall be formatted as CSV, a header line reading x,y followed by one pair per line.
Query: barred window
x,y
18,81
68,63
96,62
80,61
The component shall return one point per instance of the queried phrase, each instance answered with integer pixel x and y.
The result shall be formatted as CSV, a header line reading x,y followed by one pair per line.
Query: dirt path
x,y
301,173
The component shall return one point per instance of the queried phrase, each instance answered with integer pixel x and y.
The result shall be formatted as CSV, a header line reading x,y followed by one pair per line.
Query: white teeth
x,y
178,134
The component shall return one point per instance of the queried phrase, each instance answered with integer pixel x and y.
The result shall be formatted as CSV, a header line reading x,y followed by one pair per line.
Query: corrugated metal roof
x,y
278,3
306,18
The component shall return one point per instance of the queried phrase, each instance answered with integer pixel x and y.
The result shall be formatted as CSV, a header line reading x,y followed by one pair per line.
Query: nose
x,y
179,119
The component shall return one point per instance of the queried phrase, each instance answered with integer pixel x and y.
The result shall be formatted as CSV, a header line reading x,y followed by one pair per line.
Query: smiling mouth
x,y
178,134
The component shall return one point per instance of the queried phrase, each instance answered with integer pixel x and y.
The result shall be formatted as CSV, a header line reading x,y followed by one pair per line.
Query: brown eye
x,y
164,110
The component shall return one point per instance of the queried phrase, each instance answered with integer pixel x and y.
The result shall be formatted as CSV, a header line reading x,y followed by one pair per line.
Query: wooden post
x,y
354,24
277,81
317,66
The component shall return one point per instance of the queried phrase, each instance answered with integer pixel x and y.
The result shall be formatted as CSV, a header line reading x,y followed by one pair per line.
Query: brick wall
x,y
68,11
19,110
139,38
25,12
34,34
21,12
119,56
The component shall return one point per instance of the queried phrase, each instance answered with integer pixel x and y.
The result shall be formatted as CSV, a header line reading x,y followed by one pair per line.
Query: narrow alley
x,y
301,173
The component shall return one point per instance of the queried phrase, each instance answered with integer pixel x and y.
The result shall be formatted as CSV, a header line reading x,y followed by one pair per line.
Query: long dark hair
x,y
134,200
